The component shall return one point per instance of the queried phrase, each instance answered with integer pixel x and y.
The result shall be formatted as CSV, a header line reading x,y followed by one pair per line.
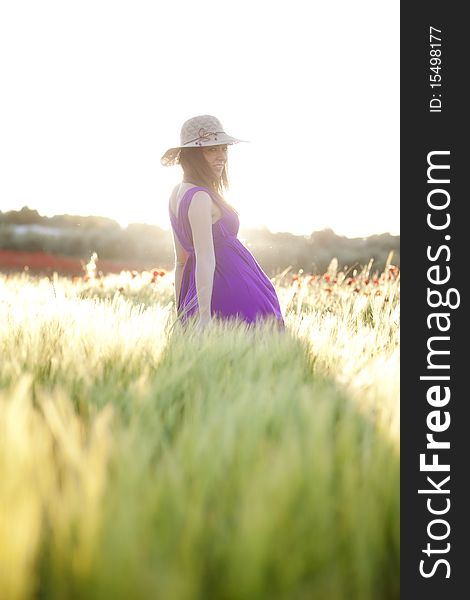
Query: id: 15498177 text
x,y
435,65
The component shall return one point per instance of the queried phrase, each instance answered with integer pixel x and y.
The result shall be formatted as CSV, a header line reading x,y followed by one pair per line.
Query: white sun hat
x,y
203,130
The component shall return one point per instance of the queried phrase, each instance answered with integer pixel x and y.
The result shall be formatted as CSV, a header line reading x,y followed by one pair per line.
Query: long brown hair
x,y
197,170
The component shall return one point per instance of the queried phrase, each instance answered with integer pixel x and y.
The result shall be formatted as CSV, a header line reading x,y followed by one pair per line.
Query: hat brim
x,y
171,156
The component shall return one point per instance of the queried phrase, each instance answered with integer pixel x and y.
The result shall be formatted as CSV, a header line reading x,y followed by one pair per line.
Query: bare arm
x,y
200,219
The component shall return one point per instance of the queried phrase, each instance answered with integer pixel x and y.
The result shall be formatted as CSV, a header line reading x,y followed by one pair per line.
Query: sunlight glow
x,y
97,91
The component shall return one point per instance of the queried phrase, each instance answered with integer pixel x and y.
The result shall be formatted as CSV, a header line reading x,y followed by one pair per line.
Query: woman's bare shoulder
x,y
201,197
200,207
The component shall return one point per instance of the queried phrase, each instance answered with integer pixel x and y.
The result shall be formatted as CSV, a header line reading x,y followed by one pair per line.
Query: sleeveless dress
x,y
241,289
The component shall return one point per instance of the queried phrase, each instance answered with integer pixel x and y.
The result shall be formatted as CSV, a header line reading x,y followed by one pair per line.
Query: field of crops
x,y
141,462
46,264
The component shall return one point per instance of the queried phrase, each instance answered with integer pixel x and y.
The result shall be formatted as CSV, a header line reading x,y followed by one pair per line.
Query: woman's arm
x,y
200,219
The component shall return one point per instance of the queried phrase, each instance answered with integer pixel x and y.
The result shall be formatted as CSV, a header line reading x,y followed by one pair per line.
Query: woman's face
x,y
216,156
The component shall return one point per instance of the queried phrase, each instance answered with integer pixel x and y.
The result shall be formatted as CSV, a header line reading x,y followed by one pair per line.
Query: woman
x,y
216,276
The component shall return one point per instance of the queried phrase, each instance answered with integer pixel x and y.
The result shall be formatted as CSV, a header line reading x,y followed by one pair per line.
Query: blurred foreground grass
x,y
138,463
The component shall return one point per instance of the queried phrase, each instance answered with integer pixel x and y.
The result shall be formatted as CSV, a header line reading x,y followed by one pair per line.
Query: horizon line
x,y
258,226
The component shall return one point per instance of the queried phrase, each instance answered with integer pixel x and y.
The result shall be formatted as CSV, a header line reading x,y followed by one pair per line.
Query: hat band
x,y
204,136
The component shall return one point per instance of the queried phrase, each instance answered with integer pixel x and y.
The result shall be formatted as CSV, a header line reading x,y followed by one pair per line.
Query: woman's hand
x,y
203,322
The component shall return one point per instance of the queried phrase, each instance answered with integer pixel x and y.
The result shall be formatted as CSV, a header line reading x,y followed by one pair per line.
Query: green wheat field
x,y
138,461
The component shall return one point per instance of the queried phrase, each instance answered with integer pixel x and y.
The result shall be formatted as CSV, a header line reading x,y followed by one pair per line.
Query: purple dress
x,y
241,288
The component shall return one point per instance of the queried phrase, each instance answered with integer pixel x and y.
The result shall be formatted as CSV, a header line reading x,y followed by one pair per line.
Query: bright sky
x,y
94,92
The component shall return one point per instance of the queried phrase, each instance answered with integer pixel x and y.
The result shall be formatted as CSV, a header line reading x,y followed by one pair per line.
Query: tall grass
x,y
138,461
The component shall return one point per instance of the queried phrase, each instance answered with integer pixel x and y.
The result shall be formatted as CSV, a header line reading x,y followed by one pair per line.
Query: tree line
x,y
150,246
